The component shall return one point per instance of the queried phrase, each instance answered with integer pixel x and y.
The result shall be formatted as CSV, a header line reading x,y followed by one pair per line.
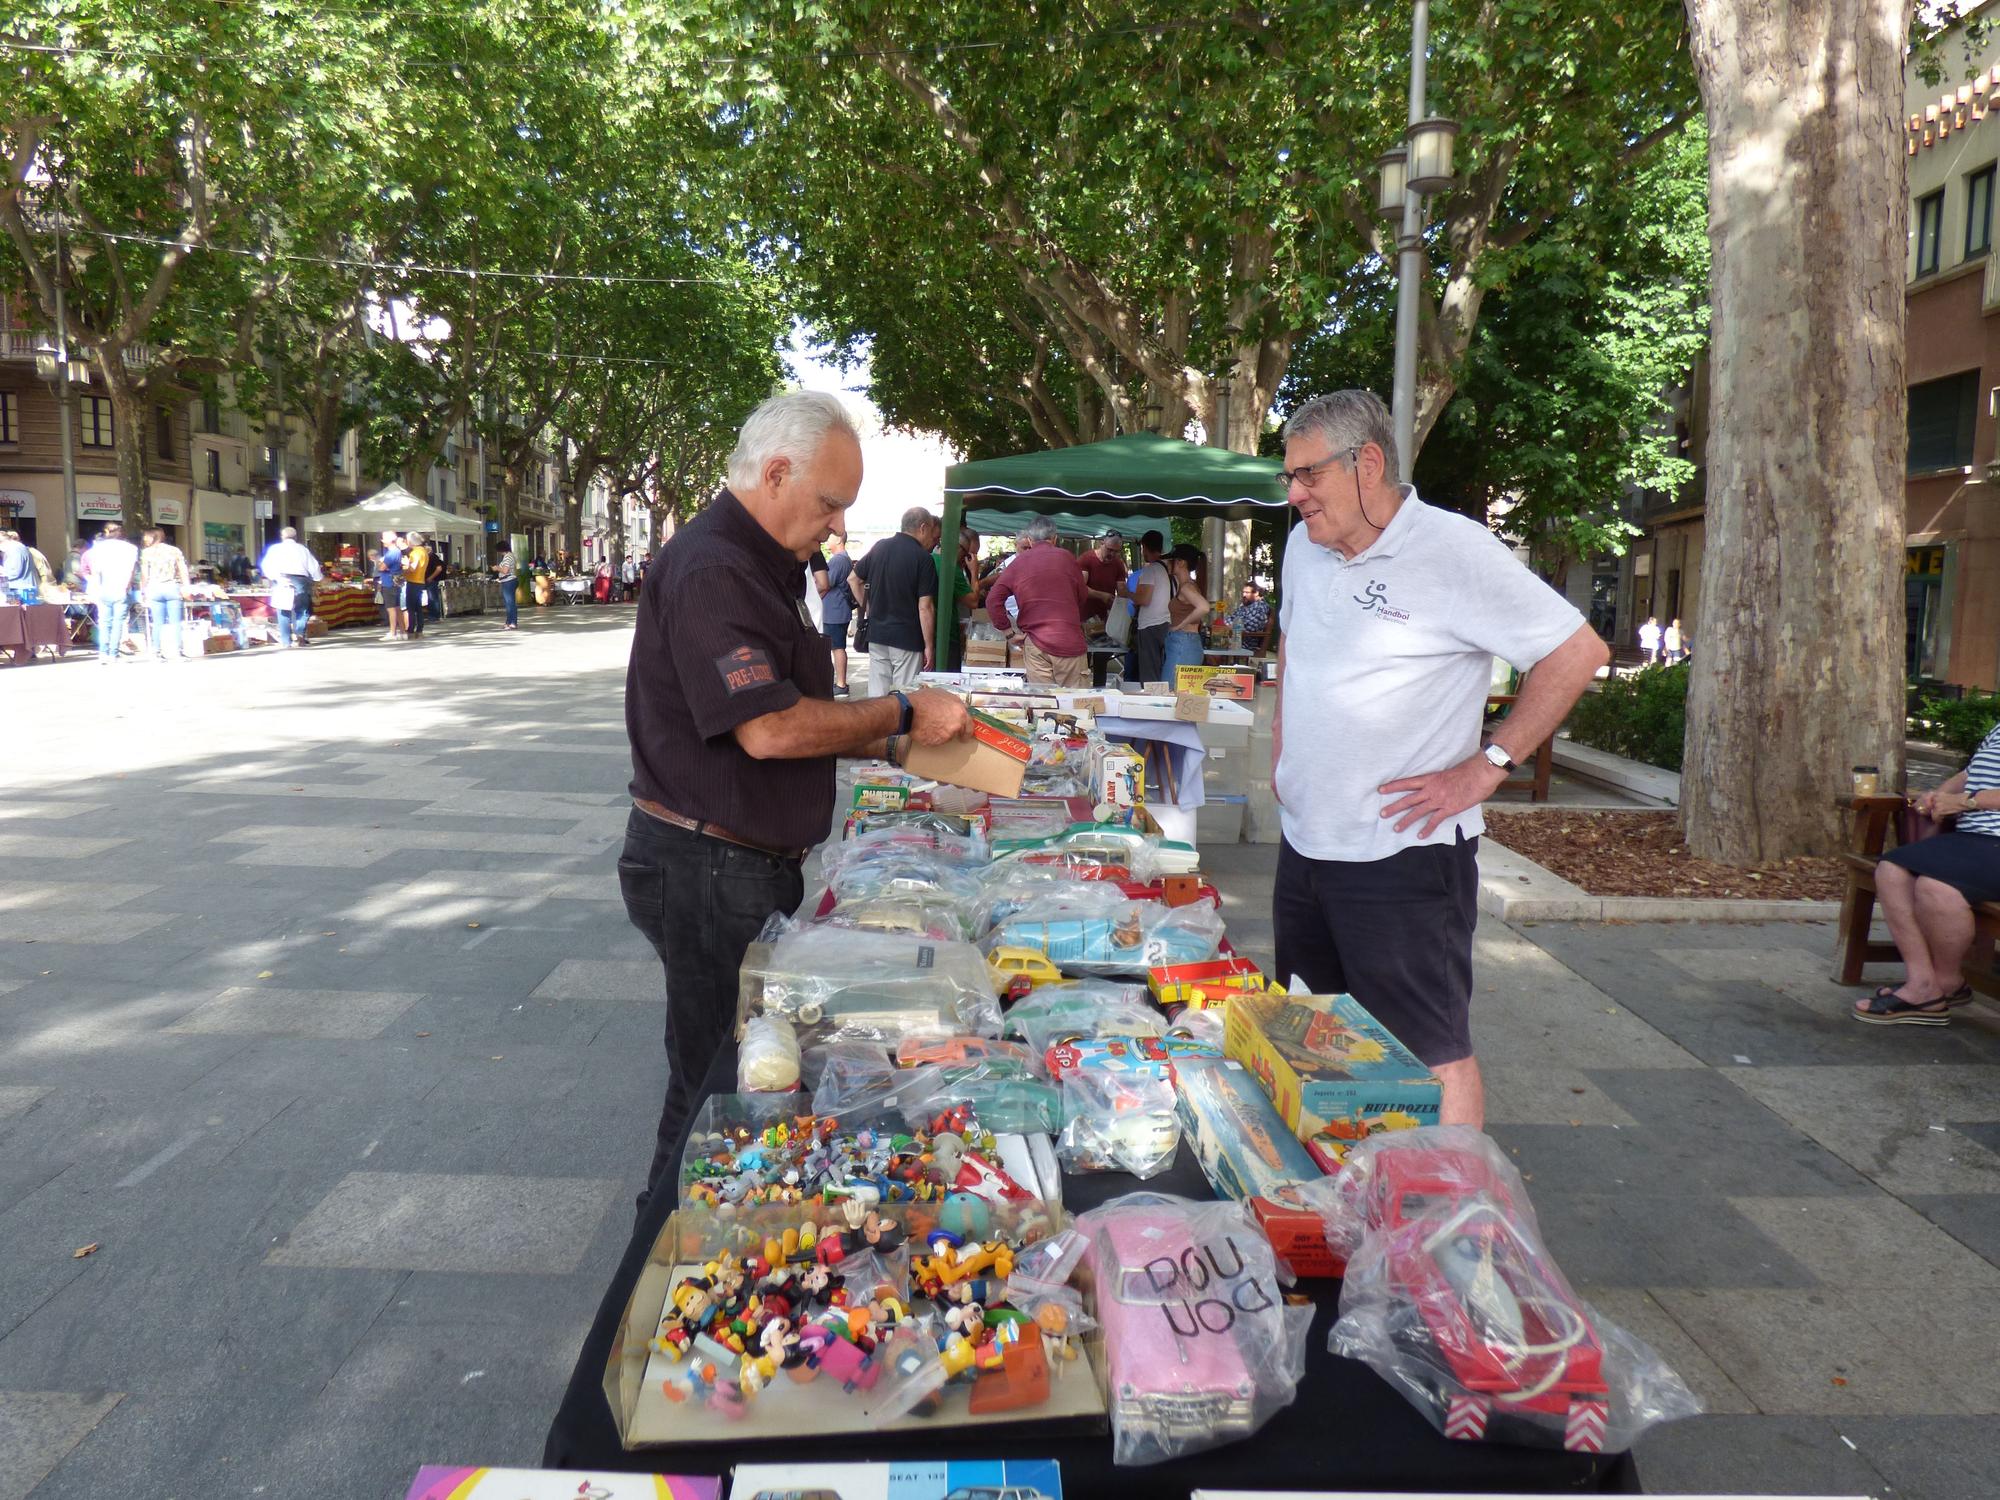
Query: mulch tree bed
x,y
1641,854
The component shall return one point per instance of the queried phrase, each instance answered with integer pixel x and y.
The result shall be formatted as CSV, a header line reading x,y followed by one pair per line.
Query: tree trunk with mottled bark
x,y
130,431
1798,652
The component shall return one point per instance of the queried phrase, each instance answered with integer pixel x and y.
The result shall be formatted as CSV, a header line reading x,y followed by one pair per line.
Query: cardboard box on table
x,y
1248,1153
463,1482
1328,1065
934,1479
992,759
636,1380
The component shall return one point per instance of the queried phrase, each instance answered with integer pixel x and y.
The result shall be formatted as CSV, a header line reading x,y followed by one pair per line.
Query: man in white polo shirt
x,y
1392,614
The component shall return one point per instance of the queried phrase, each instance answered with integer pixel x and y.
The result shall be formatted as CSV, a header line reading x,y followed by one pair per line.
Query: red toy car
x,y
1489,1315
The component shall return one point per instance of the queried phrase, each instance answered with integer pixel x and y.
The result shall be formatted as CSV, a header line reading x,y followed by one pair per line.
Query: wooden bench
x,y
1538,765
1874,820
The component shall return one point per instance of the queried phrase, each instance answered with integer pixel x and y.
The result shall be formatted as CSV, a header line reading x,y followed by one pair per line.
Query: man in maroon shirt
x,y
1103,574
1049,596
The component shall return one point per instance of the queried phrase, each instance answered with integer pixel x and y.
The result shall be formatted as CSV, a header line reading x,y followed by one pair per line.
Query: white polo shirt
x,y
1388,660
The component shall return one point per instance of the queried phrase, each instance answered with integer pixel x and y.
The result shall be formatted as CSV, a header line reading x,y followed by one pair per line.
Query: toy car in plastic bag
x,y
1452,1297
1202,1347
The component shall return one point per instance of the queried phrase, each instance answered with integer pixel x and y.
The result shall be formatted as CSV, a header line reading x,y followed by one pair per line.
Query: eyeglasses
x,y
1308,474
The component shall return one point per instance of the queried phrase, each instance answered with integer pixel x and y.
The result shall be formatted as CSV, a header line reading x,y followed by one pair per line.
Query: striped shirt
x,y
1983,775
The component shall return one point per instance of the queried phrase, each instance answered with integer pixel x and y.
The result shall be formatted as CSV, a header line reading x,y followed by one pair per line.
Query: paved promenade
x,y
320,1019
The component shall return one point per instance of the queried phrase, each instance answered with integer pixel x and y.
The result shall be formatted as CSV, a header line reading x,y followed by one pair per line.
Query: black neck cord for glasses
x,y
1354,465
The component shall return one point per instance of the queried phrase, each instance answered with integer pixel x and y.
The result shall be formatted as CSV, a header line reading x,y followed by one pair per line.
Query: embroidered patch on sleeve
x,y
745,668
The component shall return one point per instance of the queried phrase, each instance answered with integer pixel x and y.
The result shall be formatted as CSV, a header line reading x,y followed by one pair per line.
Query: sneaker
x,y
840,690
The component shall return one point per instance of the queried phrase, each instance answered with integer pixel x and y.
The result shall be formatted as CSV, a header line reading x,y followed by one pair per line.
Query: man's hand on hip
x,y
937,717
1442,794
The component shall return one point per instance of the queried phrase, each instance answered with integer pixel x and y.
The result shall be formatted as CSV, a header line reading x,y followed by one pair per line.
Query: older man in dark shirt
x,y
1049,597
730,708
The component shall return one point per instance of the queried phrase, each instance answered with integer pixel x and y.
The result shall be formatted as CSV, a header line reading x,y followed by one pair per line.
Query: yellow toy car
x,y
1018,971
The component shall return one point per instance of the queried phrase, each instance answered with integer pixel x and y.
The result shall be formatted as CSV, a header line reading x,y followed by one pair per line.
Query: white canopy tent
x,y
395,509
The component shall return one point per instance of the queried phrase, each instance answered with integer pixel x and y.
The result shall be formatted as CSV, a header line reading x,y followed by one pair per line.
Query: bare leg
x,y
1896,888
840,666
1464,1100
1946,919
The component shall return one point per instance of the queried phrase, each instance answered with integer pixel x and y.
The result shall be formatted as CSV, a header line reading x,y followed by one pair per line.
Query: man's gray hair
x,y
916,518
788,426
1039,530
1347,419
288,533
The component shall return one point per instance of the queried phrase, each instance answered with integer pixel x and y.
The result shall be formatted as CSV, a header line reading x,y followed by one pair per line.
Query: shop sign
x,y
17,502
170,512
492,528
1924,562
99,508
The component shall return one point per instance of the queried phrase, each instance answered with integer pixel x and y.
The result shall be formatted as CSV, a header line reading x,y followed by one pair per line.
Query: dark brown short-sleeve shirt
x,y
724,637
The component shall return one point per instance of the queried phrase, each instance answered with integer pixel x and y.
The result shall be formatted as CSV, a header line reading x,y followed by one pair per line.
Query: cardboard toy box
x,y
1324,1060
463,1482
992,759
1238,683
935,1479
1247,1153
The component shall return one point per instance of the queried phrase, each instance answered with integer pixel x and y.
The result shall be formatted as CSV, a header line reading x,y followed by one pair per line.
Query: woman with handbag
x,y
1927,887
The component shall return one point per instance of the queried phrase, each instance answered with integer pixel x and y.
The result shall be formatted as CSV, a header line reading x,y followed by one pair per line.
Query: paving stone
x,y
1640,1316
18,1099
1695,1135
1835,1352
1881,1119
1740,1455
68,896
38,1429
1547,1096
1615,1240
51,846
1973,1219
1930,1458
263,1011
439,1222
1833,1238
604,979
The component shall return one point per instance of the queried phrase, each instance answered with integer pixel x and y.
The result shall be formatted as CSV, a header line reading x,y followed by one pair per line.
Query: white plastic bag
x,y
1118,621
1452,1297
1091,928
1203,1348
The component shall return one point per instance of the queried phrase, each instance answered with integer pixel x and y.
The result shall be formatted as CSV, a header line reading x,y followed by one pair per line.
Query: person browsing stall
x,y
897,583
837,608
1103,569
1152,594
1391,615
1049,596
730,709
289,562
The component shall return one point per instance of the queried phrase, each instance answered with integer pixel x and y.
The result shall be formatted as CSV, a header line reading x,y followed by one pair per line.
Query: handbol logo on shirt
x,y
745,668
1376,602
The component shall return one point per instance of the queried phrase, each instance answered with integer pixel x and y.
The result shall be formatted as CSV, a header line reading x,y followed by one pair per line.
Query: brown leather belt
x,y
695,826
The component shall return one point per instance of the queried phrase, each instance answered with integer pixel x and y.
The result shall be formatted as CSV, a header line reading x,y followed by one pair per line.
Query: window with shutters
x,y
1942,416
1930,230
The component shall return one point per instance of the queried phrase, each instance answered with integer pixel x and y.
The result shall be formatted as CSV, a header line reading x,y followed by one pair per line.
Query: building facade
x,y
1952,489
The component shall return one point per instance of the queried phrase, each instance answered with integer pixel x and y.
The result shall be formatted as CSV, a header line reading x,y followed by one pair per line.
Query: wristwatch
x,y
1499,758
903,701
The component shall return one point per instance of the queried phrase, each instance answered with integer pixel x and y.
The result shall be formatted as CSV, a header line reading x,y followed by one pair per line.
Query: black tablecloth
x,y
1347,1430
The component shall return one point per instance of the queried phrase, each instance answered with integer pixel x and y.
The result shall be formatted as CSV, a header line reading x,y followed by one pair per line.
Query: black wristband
x,y
909,713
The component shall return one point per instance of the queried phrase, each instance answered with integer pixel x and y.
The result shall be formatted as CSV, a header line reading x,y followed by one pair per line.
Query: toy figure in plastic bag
x,y
1118,1122
1203,1348
1452,1297
1087,1008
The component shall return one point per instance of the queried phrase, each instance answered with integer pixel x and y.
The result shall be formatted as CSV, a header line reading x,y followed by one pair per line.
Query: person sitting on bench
x,y
1927,890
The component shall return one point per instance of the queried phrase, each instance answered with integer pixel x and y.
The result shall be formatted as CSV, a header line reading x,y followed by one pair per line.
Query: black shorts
x,y
1394,933
1967,862
835,633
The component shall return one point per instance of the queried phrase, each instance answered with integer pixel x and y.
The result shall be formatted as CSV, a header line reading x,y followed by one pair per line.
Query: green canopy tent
x,y
1009,523
1135,475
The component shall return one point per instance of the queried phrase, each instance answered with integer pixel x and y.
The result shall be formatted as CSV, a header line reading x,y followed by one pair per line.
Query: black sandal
x,y
1960,996
1886,1008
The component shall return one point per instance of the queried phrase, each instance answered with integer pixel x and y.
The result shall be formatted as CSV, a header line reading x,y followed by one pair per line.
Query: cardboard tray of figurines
x,y
854,1286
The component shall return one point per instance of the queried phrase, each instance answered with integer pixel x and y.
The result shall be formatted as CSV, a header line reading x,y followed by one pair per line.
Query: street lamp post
x,y
1421,166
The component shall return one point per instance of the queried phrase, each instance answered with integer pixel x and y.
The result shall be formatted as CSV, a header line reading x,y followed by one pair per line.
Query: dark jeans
x,y
700,903
507,593
1148,657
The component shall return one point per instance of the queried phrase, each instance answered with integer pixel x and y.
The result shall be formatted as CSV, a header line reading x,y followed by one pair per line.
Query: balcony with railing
x,y
22,343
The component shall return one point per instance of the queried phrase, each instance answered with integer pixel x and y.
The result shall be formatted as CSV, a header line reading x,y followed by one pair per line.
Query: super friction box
x,y
1322,1059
